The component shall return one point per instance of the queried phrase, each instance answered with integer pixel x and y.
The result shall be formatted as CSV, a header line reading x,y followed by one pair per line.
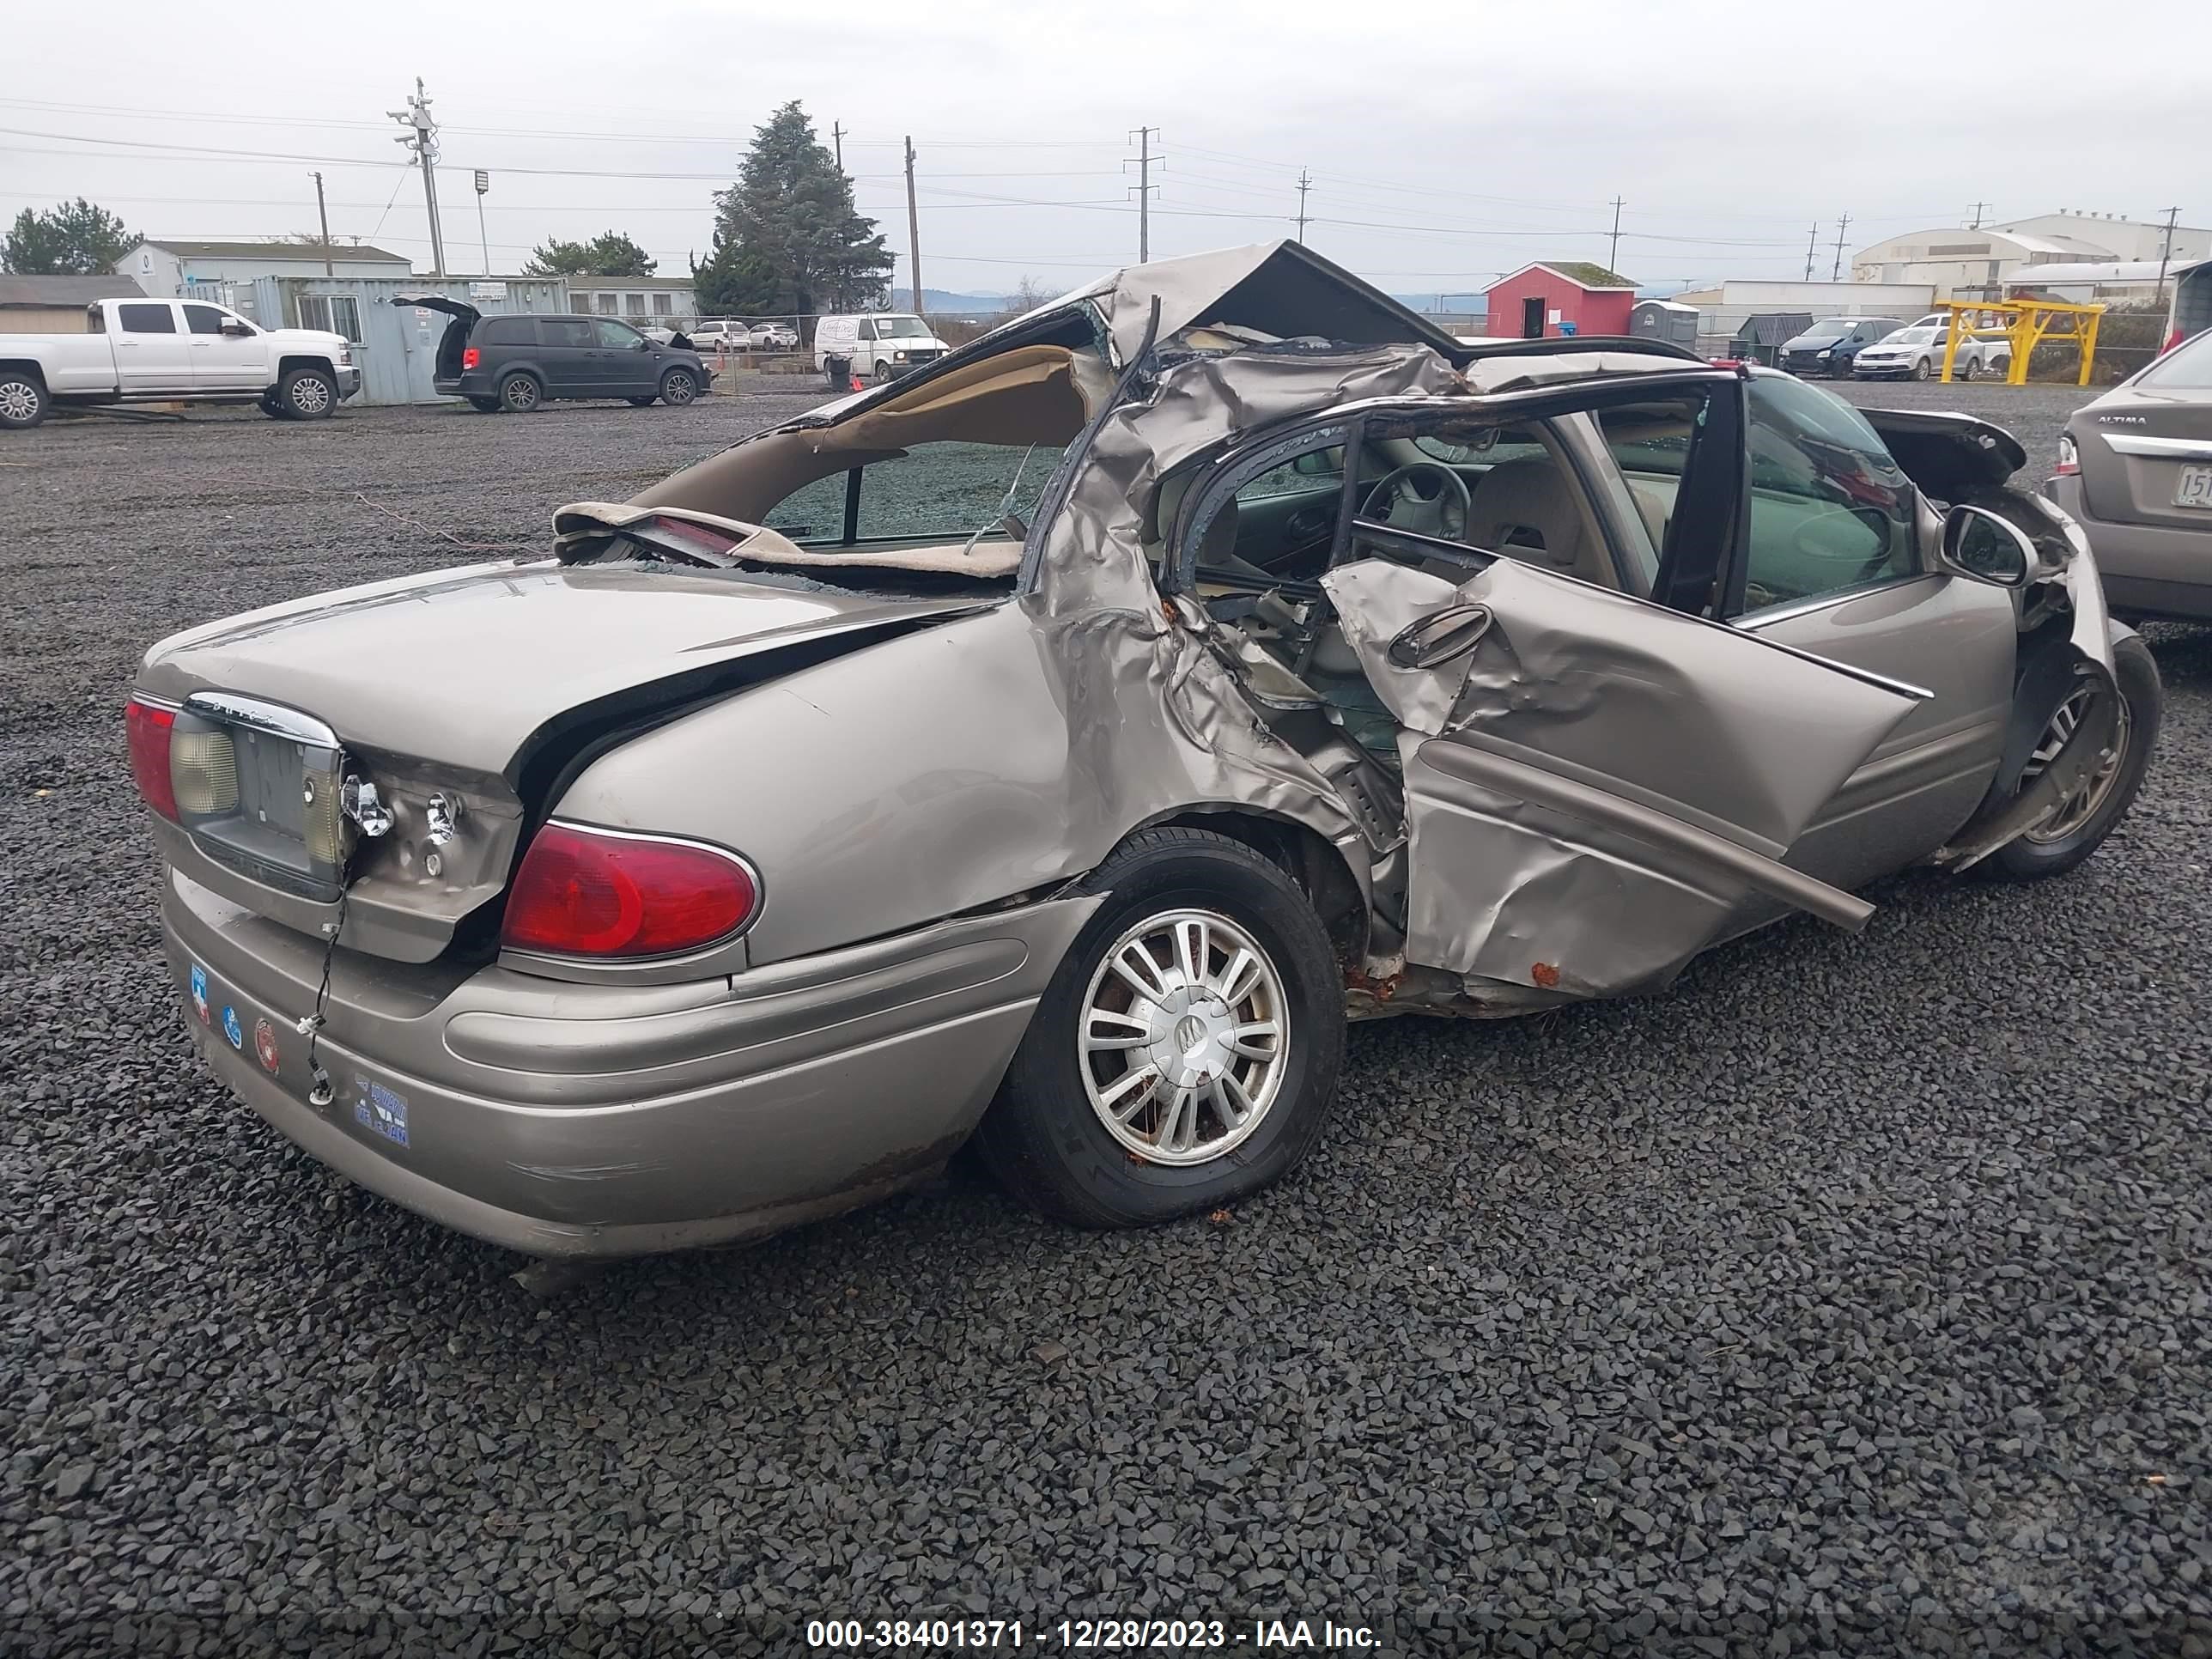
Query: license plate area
x,y
257,786
2193,488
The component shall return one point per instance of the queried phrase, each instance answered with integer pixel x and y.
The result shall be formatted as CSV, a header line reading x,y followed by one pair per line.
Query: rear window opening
x,y
938,481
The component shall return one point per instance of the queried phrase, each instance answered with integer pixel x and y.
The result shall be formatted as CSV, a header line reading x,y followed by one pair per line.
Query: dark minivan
x,y
517,363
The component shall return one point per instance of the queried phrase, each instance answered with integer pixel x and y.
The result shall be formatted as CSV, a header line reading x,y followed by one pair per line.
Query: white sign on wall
x,y
487,290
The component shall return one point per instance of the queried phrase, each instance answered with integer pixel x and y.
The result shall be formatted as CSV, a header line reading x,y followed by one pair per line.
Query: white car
x,y
1916,353
719,334
174,351
774,336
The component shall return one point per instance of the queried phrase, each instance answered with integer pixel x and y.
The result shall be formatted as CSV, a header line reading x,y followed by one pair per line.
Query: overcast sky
x,y
1446,142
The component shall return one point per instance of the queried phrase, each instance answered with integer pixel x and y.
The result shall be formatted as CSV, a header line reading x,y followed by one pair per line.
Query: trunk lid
x,y
460,700
471,667
2136,445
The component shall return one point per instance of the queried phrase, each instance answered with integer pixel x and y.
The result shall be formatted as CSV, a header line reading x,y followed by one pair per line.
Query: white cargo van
x,y
879,346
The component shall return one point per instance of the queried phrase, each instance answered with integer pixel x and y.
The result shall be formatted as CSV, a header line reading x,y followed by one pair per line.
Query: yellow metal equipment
x,y
2027,324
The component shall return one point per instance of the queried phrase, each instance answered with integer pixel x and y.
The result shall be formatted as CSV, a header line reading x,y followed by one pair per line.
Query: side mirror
x,y
1977,542
236,329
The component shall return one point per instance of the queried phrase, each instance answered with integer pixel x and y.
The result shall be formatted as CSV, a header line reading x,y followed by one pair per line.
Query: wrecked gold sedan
x,y
1054,746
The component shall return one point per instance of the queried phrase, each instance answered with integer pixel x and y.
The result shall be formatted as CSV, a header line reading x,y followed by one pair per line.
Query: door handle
x,y
1440,636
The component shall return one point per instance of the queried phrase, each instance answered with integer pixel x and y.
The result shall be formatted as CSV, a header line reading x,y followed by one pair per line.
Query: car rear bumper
x,y
2156,569
568,1120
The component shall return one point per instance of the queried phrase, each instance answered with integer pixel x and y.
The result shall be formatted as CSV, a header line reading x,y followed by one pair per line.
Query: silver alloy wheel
x,y
19,400
677,388
2075,813
1185,1037
310,395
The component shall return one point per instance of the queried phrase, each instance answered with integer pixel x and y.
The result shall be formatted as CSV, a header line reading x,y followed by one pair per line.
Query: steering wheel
x,y
1427,513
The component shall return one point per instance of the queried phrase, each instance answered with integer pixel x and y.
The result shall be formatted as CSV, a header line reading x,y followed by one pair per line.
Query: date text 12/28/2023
x,y
1088,1635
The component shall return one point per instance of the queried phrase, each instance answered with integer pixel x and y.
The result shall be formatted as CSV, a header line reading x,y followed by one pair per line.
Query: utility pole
x,y
323,213
837,138
422,138
1980,208
912,228
483,183
1613,248
1305,183
2166,255
1836,275
1812,244
1145,158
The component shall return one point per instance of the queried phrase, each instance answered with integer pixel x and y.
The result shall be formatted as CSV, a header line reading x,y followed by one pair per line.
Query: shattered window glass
x,y
934,492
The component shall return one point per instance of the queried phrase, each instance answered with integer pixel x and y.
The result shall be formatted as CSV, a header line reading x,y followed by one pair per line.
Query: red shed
x,y
1536,300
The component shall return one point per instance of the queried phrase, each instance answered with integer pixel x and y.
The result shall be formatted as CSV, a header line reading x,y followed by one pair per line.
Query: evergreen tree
x,y
786,236
609,253
73,240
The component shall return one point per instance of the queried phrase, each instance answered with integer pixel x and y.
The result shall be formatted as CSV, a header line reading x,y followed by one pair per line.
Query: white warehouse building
x,y
1973,263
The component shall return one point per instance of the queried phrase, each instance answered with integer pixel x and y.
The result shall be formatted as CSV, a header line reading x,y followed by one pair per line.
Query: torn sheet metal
x,y
1593,782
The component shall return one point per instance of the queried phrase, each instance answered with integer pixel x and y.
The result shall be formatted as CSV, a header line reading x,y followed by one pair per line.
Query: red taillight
x,y
606,893
470,357
150,726
2172,341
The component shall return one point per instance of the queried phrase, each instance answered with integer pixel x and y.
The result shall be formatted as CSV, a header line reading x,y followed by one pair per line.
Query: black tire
x,y
1920,370
307,394
883,376
1965,369
521,394
2032,859
23,400
678,386
1043,1139
485,406
639,402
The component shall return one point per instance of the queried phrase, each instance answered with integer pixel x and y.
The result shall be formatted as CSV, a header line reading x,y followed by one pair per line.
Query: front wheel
x,y
883,376
678,388
1919,368
1186,1052
23,401
2081,825
307,394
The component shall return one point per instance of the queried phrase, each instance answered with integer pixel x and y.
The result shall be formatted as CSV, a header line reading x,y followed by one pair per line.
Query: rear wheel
x,y
1186,1052
2082,823
678,388
520,394
23,400
1965,369
307,394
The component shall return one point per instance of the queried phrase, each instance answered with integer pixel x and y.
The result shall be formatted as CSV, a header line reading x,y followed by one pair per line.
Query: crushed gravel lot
x,y
1851,1298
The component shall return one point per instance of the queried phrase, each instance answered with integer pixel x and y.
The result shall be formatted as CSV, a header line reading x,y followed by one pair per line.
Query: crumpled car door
x,y
1593,783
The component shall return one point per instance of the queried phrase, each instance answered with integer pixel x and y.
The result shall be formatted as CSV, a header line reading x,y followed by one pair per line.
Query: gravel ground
x,y
1851,1298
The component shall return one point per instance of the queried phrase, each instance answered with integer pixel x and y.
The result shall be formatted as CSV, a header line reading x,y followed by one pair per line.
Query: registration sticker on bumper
x,y
385,1110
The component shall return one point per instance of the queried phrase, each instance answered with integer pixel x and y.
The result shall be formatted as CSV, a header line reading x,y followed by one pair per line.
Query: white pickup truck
x,y
174,351
1916,353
